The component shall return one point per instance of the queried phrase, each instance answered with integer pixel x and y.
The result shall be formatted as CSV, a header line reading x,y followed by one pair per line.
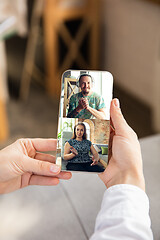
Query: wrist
x,y
135,179
88,108
78,109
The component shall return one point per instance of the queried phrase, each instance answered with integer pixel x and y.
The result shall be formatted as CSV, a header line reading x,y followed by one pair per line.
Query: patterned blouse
x,y
83,148
95,101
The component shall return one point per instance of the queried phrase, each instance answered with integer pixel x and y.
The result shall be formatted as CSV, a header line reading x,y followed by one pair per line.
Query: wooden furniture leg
x,y
3,122
4,132
30,70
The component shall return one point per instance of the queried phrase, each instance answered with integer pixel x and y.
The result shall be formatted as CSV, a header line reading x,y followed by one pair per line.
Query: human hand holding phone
x,y
23,163
125,160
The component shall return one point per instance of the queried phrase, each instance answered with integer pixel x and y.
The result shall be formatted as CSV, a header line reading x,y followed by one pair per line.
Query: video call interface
x,y
84,120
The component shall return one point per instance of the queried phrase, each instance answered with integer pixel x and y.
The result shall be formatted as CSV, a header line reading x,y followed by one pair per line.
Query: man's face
x,y
85,84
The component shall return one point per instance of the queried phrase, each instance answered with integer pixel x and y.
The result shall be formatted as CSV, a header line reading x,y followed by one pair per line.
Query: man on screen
x,y
86,104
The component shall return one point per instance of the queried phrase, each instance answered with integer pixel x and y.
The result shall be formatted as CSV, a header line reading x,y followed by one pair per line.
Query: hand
x,y
85,103
125,162
80,104
22,164
95,161
74,151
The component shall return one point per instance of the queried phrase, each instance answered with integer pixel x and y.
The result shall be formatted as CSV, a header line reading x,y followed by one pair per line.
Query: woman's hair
x,y
84,134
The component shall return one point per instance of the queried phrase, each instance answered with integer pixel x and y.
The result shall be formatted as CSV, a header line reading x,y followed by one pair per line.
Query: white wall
x,y
132,46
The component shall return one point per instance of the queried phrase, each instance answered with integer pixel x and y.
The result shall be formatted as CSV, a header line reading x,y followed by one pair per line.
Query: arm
x,y
75,112
95,158
97,113
124,215
125,208
67,152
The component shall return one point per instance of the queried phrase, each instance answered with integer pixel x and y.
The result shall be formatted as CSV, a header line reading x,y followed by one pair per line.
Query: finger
x,y
84,102
112,133
94,163
45,157
64,175
40,167
49,181
43,181
41,144
119,123
111,125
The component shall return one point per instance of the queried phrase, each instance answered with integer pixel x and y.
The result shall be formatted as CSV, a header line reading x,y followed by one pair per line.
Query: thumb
x,y
119,123
40,167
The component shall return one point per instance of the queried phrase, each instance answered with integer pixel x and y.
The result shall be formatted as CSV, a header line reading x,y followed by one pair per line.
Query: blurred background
x,y
39,40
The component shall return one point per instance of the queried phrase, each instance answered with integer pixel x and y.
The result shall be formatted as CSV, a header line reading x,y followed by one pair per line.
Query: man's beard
x,y
86,91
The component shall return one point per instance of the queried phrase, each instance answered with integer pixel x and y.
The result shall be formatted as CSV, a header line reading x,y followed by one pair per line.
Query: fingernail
x,y
54,168
116,102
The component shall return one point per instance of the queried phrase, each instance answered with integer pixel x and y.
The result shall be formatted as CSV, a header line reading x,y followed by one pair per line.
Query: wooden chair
x,y
55,16
69,83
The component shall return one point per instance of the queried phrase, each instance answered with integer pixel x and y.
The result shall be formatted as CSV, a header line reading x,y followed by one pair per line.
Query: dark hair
x,y
85,75
84,134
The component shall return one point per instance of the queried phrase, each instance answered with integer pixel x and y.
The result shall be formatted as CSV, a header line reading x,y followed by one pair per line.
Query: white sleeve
x,y
124,215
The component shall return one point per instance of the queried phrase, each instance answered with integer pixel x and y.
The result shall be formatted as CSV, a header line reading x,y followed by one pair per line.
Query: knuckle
x,y
41,166
20,140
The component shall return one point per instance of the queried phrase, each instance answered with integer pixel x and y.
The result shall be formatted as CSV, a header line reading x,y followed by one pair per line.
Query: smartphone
x,y
84,120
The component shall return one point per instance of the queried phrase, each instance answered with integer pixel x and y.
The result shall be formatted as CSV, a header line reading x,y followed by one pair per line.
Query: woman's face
x,y
79,131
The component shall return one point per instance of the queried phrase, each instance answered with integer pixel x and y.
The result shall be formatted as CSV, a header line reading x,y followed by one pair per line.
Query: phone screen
x,y
84,120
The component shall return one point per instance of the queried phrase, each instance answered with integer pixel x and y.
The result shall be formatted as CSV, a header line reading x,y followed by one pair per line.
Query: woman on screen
x,y
77,149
